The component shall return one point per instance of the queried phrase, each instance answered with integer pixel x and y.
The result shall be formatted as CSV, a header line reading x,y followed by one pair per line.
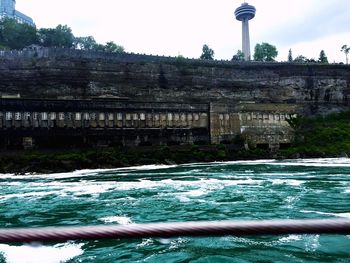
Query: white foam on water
x,y
82,173
176,184
89,189
247,162
188,190
312,242
81,188
242,182
287,182
145,243
146,167
38,253
290,238
78,189
121,220
195,193
345,215
6,183
198,164
183,199
186,172
347,191
79,173
29,195
319,162
291,199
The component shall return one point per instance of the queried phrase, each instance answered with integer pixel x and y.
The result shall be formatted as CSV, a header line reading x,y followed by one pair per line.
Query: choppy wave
x,y
146,167
83,173
122,220
345,215
319,162
240,190
38,253
287,181
322,162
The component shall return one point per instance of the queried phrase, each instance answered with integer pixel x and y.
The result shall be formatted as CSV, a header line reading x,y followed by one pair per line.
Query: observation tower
x,y
245,13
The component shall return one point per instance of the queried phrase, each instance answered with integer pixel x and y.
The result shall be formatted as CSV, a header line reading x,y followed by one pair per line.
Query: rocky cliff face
x,y
315,88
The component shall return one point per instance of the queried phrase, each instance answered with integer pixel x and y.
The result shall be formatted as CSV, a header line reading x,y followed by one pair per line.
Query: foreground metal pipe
x,y
170,230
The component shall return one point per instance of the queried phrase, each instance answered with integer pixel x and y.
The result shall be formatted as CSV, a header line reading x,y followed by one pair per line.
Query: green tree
x,y
14,35
99,47
239,56
290,56
311,60
346,51
207,53
61,36
85,43
265,52
112,47
301,59
323,58
89,43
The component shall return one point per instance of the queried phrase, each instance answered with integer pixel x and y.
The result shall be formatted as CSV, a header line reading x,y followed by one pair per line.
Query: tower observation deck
x,y
7,9
245,13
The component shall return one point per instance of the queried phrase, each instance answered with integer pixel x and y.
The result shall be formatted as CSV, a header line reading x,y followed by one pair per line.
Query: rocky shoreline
x,y
57,161
67,160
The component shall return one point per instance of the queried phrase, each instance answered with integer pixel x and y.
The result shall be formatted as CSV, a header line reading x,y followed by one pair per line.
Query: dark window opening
x,y
262,146
284,146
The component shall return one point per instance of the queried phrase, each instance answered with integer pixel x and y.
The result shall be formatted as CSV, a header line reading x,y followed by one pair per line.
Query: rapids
x,y
244,190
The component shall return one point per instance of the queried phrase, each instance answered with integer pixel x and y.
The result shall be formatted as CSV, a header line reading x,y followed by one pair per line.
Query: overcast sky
x,y
181,27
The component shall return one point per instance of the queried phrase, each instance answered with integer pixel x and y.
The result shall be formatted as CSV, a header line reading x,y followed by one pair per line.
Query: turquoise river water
x,y
249,190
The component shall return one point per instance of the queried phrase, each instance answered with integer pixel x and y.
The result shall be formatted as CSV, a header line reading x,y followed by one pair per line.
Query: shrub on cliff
x,y
322,136
14,35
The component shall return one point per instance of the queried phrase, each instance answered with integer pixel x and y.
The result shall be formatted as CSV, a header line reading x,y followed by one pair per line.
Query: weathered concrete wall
x,y
133,123
102,122
224,122
258,124
266,125
73,74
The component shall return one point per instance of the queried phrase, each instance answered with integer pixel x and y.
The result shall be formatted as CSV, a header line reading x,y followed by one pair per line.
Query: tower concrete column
x,y
245,39
245,13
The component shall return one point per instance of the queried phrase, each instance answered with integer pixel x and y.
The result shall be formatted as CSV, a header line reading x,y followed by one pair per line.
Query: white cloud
x,y
172,27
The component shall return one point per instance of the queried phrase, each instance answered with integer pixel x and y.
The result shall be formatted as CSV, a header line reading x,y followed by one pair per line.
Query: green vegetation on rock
x,y
321,136
113,157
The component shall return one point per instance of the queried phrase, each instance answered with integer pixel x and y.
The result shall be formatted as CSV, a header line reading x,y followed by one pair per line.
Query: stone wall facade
x,y
107,122
137,99
102,122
